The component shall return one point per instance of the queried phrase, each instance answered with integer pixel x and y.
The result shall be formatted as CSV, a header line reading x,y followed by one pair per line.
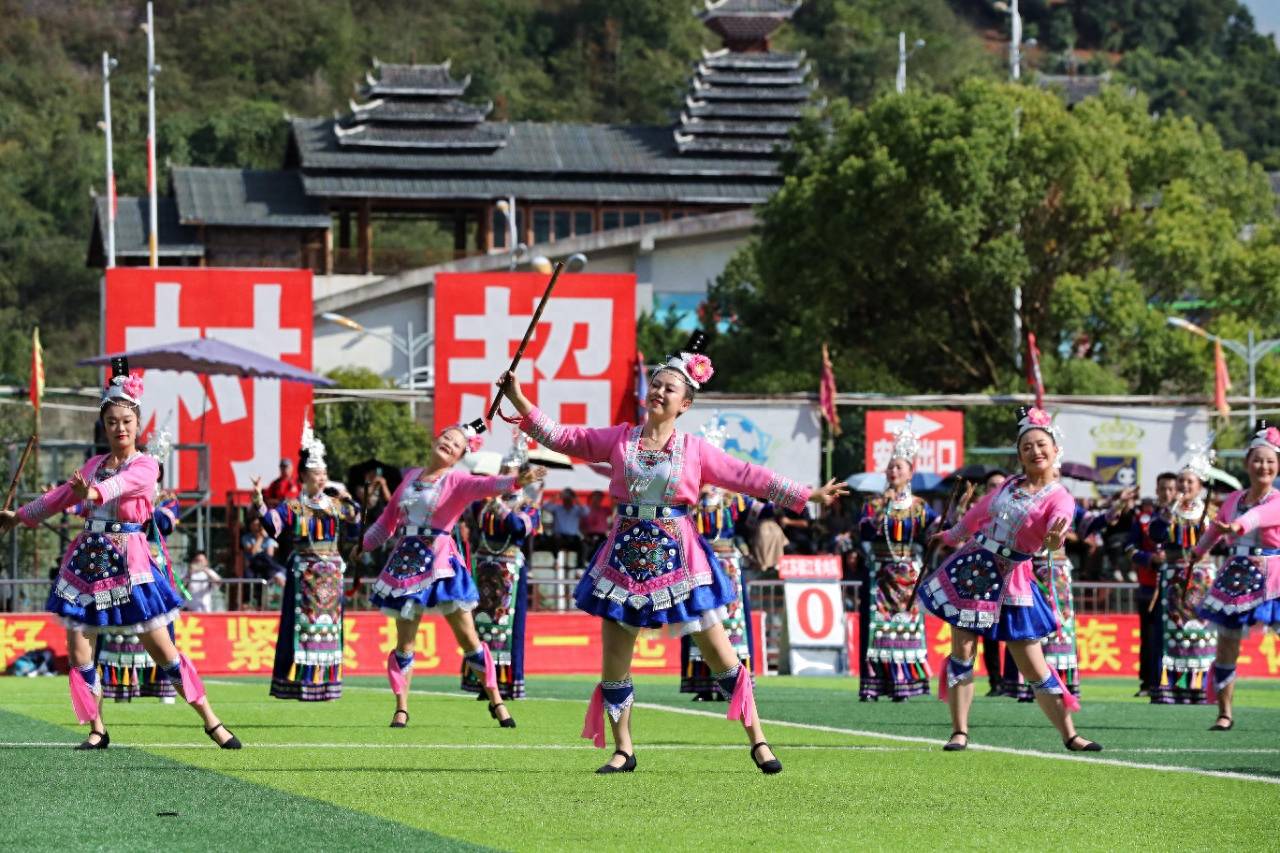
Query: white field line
x,y
453,746
813,727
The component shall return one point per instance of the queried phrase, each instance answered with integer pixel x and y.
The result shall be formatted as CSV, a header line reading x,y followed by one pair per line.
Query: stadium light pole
x,y
1015,37
153,227
107,65
1251,350
903,56
409,345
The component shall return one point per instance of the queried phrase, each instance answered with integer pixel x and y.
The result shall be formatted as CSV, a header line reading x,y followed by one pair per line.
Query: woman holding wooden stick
x,y
425,573
653,569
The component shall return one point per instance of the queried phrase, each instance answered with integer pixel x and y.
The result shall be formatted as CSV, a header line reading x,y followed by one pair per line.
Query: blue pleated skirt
x,y
150,605
444,595
1016,622
703,599
1267,613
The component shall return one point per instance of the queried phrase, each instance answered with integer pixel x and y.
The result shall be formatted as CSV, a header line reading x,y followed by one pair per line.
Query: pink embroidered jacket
x,y
133,489
1261,530
1056,504
445,505
694,462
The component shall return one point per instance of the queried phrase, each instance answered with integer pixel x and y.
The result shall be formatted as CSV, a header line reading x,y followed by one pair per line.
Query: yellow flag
x,y
37,369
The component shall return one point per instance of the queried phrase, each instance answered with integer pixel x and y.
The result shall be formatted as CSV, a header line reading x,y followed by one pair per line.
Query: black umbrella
x,y
356,473
974,473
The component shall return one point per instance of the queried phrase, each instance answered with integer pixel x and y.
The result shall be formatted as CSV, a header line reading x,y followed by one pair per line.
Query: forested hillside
x,y
232,69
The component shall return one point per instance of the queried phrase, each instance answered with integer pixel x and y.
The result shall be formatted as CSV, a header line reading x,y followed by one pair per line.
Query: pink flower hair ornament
x,y
1039,417
698,366
1273,436
125,389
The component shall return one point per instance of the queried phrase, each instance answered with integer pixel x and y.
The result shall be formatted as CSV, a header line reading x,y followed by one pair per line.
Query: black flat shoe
x,y
953,746
769,767
628,766
1089,746
509,722
232,742
396,725
1218,727
104,741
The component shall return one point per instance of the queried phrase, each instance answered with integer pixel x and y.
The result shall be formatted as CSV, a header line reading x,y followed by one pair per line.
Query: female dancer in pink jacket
x,y
654,569
107,578
425,572
988,587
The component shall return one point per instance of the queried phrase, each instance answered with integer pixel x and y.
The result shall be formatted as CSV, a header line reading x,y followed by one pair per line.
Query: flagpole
x,y
36,393
152,70
107,64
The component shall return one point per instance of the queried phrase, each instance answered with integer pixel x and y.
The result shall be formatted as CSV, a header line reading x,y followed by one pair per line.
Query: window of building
x,y
501,225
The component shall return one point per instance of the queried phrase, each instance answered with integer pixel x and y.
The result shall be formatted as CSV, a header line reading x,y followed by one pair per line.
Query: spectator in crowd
x,y
259,551
285,487
598,521
566,524
201,581
1148,558
767,544
376,495
799,531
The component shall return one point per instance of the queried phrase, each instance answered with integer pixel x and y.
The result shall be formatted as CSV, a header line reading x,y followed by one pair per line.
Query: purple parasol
x,y
213,357
1080,471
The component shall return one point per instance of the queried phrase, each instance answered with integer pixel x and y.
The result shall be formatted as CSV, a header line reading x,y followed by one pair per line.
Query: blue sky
x,y
1267,15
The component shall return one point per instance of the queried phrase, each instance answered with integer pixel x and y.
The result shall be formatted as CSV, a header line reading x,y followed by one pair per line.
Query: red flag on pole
x,y
827,393
1034,379
36,389
1221,381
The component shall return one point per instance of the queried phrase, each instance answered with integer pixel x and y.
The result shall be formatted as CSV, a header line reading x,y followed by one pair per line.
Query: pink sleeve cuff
x,y
788,493
540,427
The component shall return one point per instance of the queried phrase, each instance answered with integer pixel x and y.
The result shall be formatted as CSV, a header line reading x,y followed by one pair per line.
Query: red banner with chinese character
x,y
248,424
244,643
578,368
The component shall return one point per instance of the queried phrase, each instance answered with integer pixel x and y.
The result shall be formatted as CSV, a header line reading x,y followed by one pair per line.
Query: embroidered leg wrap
x,y
481,663
618,696
959,671
84,692
1049,684
727,680
954,673
182,674
399,667
735,684
1223,675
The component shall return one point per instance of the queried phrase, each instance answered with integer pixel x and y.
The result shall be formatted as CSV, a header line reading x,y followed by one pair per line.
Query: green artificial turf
x,y
334,776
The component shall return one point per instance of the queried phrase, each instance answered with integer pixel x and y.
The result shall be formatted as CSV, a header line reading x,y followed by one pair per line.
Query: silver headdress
x,y
1035,418
1265,435
160,445
518,455
1199,458
713,431
123,387
692,365
312,450
906,444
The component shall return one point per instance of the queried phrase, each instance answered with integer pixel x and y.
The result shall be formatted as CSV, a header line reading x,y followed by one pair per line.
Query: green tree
x,y
353,432
902,232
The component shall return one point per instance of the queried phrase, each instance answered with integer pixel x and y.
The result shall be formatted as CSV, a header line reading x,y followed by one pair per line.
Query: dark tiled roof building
x,y
413,146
